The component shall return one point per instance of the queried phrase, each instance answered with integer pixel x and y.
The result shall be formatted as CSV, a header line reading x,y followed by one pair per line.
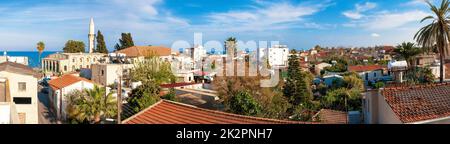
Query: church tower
x,y
91,36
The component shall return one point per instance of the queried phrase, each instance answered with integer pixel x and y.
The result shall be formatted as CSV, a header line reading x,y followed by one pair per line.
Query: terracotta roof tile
x,y
365,68
331,116
168,112
136,51
65,81
419,103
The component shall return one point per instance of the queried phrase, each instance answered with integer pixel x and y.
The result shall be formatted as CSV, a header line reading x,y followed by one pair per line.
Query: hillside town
x,y
406,83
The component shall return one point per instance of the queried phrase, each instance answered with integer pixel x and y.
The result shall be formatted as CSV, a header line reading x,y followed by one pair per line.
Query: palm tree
x,y
436,33
91,105
40,47
230,46
408,51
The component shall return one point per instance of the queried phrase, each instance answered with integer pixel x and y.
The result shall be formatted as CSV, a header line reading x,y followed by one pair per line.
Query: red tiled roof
x,y
174,85
136,51
65,81
331,116
365,68
388,48
419,103
168,112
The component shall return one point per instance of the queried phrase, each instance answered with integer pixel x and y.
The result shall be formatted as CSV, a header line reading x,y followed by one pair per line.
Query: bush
x,y
244,104
144,96
378,85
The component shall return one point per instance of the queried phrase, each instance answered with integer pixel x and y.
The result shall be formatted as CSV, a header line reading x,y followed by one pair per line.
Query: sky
x,y
300,24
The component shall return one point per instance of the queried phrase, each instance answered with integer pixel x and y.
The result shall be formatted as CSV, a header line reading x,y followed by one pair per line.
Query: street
x,y
45,115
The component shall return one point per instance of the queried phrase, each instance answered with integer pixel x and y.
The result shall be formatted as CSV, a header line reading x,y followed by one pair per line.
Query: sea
x,y
33,56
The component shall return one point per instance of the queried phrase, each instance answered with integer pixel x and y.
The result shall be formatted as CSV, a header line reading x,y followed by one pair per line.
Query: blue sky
x,y
300,24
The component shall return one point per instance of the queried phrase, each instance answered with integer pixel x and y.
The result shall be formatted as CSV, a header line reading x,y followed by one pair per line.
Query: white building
x,y
369,73
16,59
197,53
277,55
61,87
397,70
107,74
18,91
71,62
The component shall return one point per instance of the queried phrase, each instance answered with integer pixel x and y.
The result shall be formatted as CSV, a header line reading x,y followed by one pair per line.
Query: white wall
x,y
30,110
5,115
62,93
372,75
385,113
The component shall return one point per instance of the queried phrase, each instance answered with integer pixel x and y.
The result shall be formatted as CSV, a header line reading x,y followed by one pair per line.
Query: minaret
x,y
91,36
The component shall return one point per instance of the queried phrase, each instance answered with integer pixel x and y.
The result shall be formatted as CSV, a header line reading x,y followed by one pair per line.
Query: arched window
x,y
81,59
65,68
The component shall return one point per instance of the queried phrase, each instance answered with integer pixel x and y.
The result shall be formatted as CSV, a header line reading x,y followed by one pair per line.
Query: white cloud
x,y
393,20
416,2
375,35
352,15
264,16
359,8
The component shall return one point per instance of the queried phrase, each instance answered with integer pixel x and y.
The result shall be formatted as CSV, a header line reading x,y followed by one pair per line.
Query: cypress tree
x,y
125,42
101,46
297,88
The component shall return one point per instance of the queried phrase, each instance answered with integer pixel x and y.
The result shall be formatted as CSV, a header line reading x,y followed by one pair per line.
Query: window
x,y
22,86
95,59
374,74
103,72
87,66
81,66
65,68
81,59
73,60
73,68
88,60
22,100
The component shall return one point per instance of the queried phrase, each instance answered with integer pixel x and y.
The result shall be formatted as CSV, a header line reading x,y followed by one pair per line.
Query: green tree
x,y
343,99
91,106
40,47
170,96
73,46
298,84
437,33
101,46
125,42
353,81
144,96
408,51
152,69
244,104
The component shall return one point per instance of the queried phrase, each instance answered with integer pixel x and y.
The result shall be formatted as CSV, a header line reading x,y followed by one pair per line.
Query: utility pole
x,y
119,101
119,98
